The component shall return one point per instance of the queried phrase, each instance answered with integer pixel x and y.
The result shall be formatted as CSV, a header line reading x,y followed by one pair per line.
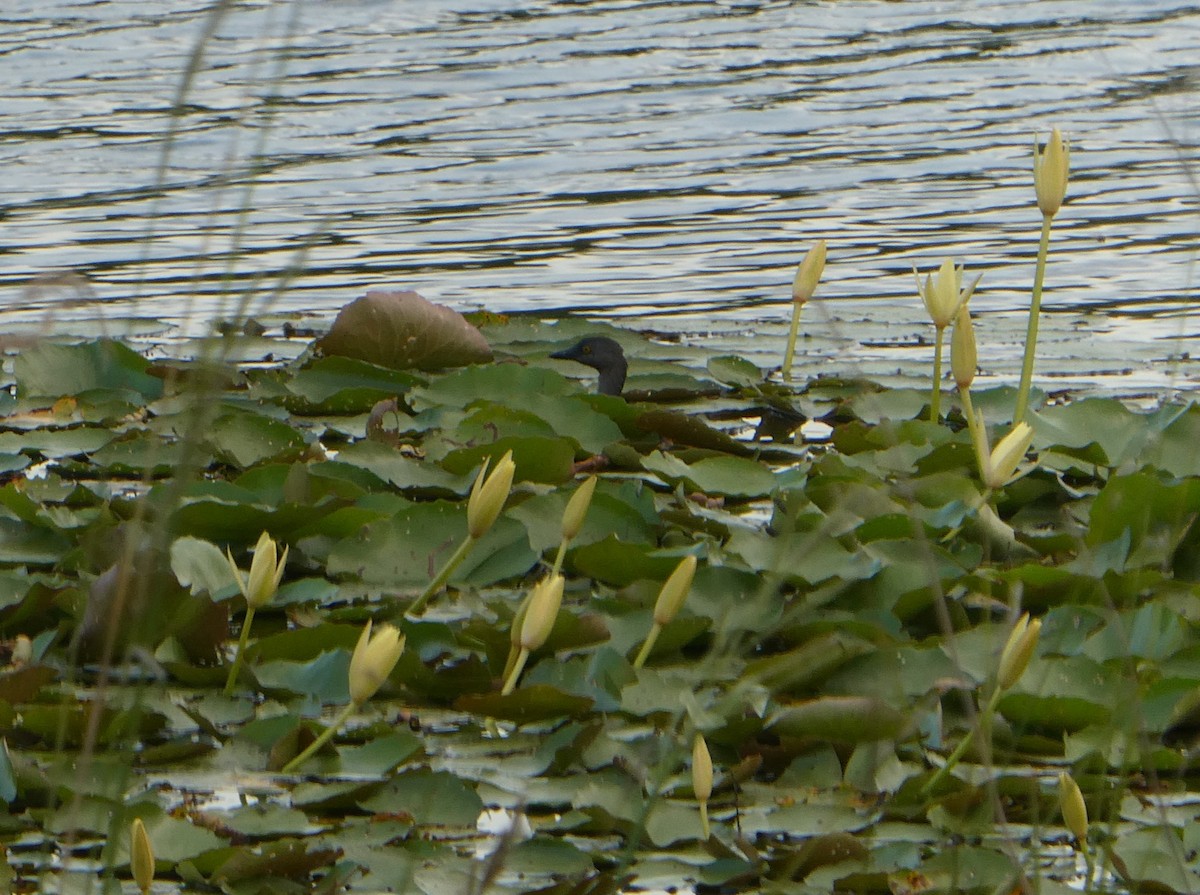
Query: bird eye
x,y
587,350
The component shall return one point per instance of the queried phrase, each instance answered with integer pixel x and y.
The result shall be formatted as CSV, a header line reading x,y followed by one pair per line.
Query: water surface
x,y
668,162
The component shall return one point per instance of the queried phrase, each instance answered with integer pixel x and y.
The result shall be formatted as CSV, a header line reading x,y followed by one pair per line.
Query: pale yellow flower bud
x,y
808,274
22,651
1074,811
266,571
942,294
963,355
488,495
1003,460
1051,170
141,856
544,603
674,591
373,660
577,507
1018,650
702,769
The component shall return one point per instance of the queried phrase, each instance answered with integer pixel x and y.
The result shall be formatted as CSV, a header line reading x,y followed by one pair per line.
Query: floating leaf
x,y
50,369
851,719
733,370
728,476
680,428
243,439
200,565
431,798
344,385
527,704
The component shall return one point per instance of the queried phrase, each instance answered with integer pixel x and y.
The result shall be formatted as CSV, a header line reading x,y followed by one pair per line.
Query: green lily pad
x,y
728,476
852,719
244,439
526,704
50,369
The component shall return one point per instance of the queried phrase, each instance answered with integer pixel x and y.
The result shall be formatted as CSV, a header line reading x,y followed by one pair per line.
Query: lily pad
x,y
851,719
50,369
728,476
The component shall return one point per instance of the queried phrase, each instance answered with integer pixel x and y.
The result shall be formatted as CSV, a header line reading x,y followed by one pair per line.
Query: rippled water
x,y
665,160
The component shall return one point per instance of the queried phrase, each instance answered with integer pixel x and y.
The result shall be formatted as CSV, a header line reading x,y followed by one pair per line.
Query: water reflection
x,y
670,160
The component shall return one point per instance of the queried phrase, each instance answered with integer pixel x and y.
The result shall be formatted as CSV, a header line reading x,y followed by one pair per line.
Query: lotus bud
x,y
544,603
702,778
1051,170
674,591
1002,461
941,293
702,769
577,508
266,571
1074,811
808,275
488,495
963,355
141,856
22,651
1018,650
373,660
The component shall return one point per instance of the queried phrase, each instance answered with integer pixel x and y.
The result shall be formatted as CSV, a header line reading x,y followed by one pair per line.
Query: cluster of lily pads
x,y
675,638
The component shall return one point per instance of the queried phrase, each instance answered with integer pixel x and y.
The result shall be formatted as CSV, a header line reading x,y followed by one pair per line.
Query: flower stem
x,y
935,399
440,579
644,654
704,820
968,409
236,666
558,559
325,737
510,682
1035,310
790,351
964,744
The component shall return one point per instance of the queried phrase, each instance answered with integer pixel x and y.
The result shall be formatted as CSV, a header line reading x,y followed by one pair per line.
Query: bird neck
x,y
612,377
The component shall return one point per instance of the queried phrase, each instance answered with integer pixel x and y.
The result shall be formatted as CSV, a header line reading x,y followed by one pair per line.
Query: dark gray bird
x,y
602,354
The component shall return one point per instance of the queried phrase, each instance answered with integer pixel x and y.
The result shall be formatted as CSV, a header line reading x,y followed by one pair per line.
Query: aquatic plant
x,y
488,495
266,571
944,297
804,287
374,657
839,643
1051,172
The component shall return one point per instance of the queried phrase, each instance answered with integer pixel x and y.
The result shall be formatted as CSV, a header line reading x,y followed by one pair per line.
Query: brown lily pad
x,y
404,331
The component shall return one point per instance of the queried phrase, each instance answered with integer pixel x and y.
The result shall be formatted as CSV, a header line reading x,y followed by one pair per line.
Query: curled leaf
x,y
403,330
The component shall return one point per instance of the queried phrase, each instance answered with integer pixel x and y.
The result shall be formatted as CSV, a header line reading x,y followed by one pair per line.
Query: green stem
x,y
558,559
1091,868
325,737
510,683
647,646
968,409
704,819
515,646
441,578
935,399
963,745
241,651
1035,310
793,332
